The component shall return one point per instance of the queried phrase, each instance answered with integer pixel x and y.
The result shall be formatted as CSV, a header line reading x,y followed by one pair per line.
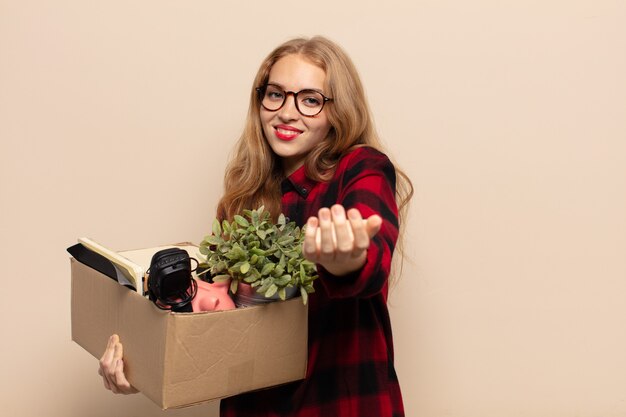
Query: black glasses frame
x,y
261,92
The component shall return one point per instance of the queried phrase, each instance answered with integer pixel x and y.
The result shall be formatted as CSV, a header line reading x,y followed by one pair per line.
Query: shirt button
x,y
304,190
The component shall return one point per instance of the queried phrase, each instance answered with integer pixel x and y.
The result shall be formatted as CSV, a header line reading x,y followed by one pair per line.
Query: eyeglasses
x,y
308,102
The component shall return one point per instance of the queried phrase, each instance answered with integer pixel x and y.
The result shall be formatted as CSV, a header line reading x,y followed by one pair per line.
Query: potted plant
x,y
253,250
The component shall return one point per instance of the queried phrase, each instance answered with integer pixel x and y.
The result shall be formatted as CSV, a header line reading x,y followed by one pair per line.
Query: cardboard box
x,y
181,359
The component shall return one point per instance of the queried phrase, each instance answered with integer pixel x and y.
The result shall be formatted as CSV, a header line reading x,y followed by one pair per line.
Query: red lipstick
x,y
286,132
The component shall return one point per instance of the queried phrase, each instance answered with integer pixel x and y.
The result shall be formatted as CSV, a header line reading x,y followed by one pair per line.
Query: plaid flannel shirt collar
x,y
299,182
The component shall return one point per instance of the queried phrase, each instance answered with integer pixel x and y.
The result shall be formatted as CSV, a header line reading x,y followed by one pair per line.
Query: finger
x,y
361,238
327,245
106,362
104,380
108,352
343,232
309,246
374,224
120,378
112,374
118,353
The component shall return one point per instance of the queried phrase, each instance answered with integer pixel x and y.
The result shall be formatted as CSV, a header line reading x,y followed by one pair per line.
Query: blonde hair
x,y
254,173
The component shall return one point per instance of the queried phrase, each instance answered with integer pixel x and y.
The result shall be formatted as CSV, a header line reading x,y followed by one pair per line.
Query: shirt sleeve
x,y
367,182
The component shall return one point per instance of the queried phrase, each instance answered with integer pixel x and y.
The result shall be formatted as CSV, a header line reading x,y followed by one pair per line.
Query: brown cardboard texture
x,y
181,359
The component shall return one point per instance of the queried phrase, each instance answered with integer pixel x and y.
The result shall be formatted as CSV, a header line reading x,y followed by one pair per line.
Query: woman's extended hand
x,y
338,242
112,368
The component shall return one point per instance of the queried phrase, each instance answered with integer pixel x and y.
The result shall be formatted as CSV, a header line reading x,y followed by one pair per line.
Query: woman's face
x,y
290,134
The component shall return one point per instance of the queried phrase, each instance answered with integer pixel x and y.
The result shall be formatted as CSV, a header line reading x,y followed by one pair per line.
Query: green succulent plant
x,y
255,250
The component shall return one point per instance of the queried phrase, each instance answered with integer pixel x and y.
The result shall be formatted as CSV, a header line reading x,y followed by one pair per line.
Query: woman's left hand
x,y
338,241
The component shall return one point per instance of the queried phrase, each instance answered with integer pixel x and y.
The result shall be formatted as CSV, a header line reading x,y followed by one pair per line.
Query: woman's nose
x,y
289,111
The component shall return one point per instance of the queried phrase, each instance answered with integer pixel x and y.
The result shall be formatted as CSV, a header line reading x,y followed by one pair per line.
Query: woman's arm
x,y
353,241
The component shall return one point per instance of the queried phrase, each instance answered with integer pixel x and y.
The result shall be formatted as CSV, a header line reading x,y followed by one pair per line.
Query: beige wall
x,y
510,117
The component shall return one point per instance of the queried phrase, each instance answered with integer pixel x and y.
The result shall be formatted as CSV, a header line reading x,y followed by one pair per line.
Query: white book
x,y
128,272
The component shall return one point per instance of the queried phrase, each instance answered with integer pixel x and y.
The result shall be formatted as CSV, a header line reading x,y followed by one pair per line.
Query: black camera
x,y
170,284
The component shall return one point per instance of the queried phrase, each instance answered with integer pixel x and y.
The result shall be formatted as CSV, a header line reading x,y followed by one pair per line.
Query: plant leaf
x,y
223,277
305,295
214,239
226,227
241,221
258,251
278,270
233,286
286,240
250,279
283,280
268,268
245,267
265,286
217,229
271,290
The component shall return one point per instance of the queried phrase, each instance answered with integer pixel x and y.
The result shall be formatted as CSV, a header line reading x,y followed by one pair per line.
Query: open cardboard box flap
x,y
181,359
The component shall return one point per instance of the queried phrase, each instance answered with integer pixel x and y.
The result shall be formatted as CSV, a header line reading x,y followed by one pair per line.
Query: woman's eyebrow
x,y
304,89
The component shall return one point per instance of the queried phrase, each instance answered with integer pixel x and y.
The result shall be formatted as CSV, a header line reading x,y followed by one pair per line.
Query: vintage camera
x,y
170,284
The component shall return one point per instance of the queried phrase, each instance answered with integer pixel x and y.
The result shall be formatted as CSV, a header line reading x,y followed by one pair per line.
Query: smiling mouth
x,y
286,134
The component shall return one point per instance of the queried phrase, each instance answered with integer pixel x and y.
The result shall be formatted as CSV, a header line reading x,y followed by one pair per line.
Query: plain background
x,y
116,119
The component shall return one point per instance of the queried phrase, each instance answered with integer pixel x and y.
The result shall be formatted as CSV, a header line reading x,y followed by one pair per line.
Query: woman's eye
x,y
311,101
274,95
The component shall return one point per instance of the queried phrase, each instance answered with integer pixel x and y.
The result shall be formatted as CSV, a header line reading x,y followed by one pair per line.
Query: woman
x,y
309,150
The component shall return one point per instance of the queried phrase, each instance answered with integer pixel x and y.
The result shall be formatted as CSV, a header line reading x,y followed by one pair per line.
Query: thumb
x,y
373,225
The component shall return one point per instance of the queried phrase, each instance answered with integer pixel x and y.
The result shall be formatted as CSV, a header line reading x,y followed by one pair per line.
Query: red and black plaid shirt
x,y
350,365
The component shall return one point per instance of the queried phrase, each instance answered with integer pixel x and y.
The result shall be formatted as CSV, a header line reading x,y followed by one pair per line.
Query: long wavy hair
x,y
254,173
